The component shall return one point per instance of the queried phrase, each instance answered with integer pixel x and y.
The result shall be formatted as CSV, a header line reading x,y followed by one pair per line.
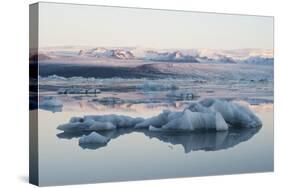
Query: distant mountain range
x,y
249,56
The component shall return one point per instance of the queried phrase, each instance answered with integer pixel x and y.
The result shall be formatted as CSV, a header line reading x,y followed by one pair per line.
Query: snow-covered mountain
x,y
174,56
259,60
218,58
108,53
249,56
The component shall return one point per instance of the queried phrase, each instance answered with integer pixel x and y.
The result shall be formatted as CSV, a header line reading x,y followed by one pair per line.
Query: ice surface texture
x,y
213,118
51,104
234,114
93,138
208,114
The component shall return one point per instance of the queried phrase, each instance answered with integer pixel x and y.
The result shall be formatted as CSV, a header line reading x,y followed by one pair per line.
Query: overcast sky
x,y
66,24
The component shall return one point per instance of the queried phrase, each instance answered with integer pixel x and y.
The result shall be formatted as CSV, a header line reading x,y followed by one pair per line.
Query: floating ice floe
x,y
86,124
182,95
210,114
156,87
111,100
190,121
184,121
234,114
93,138
93,91
78,91
99,123
51,102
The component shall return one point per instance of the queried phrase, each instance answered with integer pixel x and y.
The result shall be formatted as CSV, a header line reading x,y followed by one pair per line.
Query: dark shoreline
x,y
73,70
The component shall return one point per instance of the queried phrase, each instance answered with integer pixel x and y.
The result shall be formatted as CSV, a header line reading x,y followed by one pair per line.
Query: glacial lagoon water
x,y
138,155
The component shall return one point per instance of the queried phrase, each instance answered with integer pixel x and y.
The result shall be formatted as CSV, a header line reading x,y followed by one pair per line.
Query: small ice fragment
x,y
61,91
51,102
93,138
93,91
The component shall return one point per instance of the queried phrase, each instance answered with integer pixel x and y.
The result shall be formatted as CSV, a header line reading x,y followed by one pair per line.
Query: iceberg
x,y
78,91
93,91
182,95
205,115
156,87
120,121
185,121
234,114
155,121
93,138
51,102
111,100
190,121
80,124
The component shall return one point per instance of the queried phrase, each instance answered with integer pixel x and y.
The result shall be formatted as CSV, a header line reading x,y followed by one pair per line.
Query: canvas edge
x,y
33,94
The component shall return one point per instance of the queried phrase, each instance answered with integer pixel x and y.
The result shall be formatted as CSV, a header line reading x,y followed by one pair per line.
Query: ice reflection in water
x,y
195,141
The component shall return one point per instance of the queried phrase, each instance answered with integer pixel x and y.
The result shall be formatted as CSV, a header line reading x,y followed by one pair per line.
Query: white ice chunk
x,y
150,86
211,114
93,138
156,121
180,95
100,126
51,102
93,91
78,91
234,114
191,121
80,124
61,91
120,121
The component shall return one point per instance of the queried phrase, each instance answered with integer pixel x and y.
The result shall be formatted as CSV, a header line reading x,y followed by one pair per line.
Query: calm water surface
x,y
143,155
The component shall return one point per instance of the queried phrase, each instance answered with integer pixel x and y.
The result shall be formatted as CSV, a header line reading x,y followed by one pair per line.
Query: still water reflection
x,y
140,154
206,141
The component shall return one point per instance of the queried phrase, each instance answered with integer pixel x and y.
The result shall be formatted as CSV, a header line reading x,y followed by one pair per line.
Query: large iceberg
x,y
185,121
190,121
234,114
208,114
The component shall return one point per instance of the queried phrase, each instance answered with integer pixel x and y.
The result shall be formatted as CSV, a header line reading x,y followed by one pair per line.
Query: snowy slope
x,y
248,56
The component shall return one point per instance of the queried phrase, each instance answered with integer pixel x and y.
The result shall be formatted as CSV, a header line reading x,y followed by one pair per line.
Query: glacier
x,y
254,56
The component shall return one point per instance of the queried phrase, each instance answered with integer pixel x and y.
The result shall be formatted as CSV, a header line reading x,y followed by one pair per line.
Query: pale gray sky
x,y
67,24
